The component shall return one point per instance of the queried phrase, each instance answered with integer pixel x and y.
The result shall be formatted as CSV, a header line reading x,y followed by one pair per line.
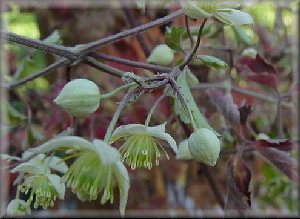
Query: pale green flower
x,y
35,177
18,207
141,146
97,168
220,9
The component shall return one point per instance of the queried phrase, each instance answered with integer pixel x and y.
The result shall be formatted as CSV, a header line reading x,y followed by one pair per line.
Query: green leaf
x,y
199,119
242,36
234,17
53,38
173,37
211,61
14,116
33,135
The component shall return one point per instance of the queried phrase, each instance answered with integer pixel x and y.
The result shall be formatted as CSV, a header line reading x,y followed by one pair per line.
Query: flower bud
x,y
18,207
79,97
197,10
184,151
161,55
204,146
262,136
251,52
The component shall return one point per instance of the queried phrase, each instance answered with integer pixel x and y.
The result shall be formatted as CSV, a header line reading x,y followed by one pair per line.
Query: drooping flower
x,y
97,168
220,9
35,177
141,145
18,207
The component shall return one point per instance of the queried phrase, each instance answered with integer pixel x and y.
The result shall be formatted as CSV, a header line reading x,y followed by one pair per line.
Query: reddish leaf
x,y
238,185
225,105
258,70
280,144
245,111
281,160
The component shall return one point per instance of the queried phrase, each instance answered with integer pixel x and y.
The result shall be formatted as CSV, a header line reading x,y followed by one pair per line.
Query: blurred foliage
x,y
277,190
24,25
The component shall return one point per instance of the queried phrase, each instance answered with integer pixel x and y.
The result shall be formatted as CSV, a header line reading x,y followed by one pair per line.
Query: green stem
x,y
113,92
116,116
155,106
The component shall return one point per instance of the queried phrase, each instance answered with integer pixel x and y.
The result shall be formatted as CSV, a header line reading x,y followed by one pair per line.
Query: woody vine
x,y
98,166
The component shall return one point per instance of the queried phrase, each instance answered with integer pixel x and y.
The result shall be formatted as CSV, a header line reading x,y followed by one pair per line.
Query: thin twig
x,y
187,27
130,62
60,63
133,23
110,70
279,115
93,45
193,52
251,93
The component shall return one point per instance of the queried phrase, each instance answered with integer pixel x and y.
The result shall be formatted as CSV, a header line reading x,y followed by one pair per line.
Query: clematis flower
x,y
220,9
18,207
141,145
35,176
97,168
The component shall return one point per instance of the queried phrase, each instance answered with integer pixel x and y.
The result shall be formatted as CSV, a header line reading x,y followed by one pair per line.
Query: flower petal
x,y
234,17
9,158
57,184
122,179
159,128
166,137
28,168
107,153
64,141
124,130
58,164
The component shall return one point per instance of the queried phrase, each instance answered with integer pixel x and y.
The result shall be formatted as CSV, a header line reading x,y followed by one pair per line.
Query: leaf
x,y
242,36
173,37
280,144
225,105
199,119
53,38
258,70
234,17
211,61
14,116
238,186
33,135
281,160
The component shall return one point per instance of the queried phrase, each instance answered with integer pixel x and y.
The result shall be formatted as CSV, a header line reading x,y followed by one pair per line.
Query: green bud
x,y
204,146
262,136
18,207
184,151
79,97
251,52
161,55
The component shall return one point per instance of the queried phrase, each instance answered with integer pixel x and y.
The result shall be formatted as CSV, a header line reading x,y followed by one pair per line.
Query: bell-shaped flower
x,y
141,146
35,177
220,9
97,168
18,207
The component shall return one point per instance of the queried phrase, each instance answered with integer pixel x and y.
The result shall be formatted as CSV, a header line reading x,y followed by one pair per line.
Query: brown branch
x,y
187,27
193,52
40,45
60,63
133,23
130,62
110,70
93,45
